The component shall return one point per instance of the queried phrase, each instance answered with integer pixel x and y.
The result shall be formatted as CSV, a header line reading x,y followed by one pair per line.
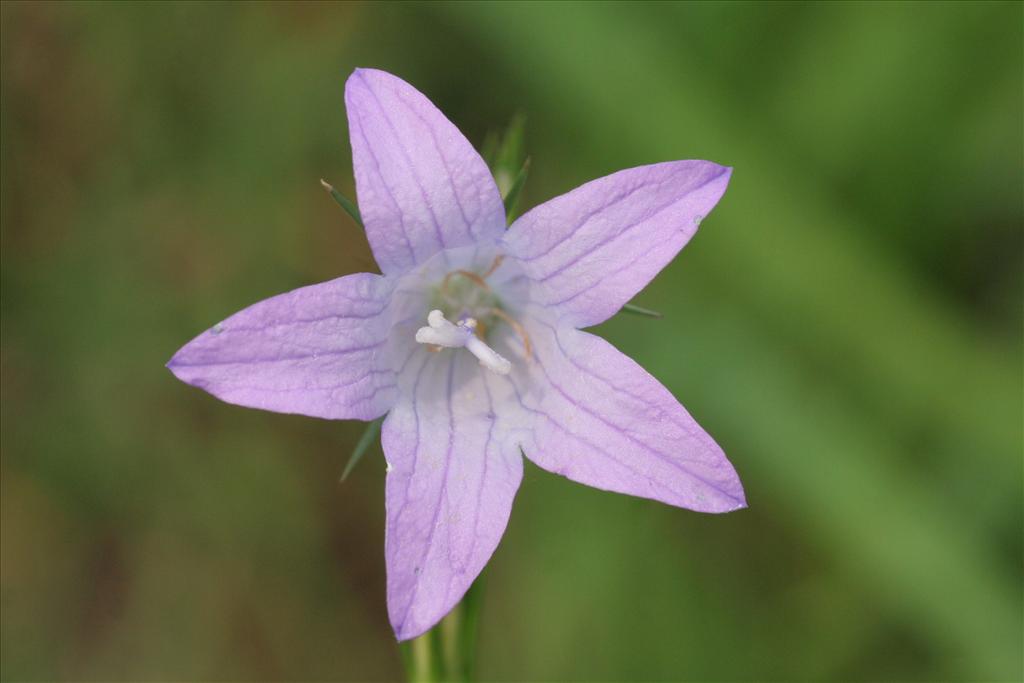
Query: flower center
x,y
464,311
464,294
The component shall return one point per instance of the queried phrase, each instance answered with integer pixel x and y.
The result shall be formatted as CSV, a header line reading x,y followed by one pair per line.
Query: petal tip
x,y
358,78
173,363
736,500
181,373
367,75
723,174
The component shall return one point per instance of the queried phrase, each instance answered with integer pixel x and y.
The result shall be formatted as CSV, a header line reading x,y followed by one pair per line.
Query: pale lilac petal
x,y
315,351
421,185
453,469
602,420
591,250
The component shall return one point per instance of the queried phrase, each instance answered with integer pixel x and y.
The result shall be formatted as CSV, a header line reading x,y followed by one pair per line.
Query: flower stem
x,y
470,620
419,657
447,652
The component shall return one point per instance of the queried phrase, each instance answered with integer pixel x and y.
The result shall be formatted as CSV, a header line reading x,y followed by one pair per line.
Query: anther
x,y
441,332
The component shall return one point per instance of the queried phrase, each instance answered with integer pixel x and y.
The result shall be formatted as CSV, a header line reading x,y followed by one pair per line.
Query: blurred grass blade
x,y
505,155
512,198
960,381
489,149
639,310
344,202
511,152
365,441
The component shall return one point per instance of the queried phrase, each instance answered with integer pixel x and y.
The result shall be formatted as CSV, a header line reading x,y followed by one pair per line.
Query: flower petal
x,y
602,420
591,250
315,351
421,185
453,470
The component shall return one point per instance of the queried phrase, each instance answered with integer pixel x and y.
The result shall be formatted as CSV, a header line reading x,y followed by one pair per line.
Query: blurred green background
x,y
847,324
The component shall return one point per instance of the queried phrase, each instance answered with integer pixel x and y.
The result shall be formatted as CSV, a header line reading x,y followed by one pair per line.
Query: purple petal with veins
x,y
314,351
421,185
591,250
453,469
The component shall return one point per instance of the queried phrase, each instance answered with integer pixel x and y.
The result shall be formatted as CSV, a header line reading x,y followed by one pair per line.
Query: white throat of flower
x,y
441,332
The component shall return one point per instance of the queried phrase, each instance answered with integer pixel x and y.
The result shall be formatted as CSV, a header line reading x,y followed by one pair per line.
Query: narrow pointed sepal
x,y
344,202
366,440
633,309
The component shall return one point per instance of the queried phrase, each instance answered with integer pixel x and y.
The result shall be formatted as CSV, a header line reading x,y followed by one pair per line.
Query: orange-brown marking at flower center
x,y
519,329
469,275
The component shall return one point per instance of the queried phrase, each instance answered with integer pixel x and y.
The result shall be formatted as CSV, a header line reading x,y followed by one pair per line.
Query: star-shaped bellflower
x,y
470,343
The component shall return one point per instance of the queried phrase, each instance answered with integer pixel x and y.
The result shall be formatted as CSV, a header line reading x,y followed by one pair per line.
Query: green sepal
x,y
638,310
344,202
512,198
510,153
363,445
505,156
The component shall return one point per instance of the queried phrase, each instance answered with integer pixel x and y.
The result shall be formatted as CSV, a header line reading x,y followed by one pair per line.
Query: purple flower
x,y
470,342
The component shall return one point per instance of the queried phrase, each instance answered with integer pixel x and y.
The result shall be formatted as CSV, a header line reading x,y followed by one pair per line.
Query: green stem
x,y
470,619
449,633
420,661
447,652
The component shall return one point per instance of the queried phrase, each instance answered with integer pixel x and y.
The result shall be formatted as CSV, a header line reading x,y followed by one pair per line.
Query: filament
x,y
519,329
494,265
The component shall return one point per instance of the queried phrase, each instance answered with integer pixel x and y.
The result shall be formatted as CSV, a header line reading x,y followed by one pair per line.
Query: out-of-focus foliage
x,y
847,324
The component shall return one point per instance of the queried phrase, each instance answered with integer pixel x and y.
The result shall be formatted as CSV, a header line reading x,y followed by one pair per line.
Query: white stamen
x,y
441,332
489,358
